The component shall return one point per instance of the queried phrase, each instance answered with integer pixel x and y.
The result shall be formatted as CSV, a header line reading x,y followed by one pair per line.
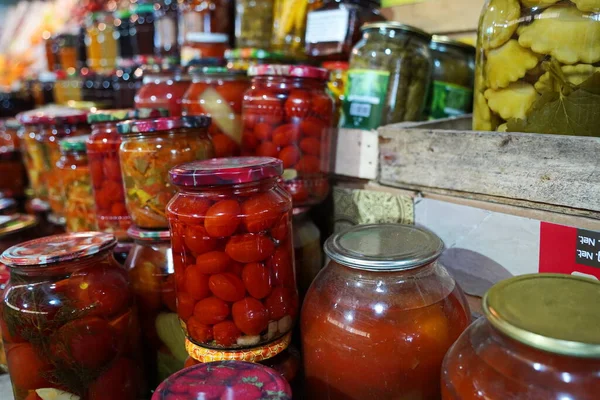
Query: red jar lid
x,y
336,65
101,116
225,380
143,234
53,115
163,124
297,71
225,171
57,248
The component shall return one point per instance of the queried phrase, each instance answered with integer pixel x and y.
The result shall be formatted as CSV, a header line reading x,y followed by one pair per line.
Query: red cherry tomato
x,y
286,135
250,248
299,192
189,210
103,291
197,239
226,333
263,131
289,156
211,311
227,287
185,305
282,271
322,105
119,382
260,212
224,145
313,126
113,190
27,369
199,332
196,283
250,316
213,262
309,165
298,103
267,149
97,173
257,279
311,145
222,218
281,229
281,302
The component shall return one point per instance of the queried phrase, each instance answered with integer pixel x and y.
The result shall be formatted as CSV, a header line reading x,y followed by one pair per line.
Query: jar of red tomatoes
x,y
163,88
105,167
152,275
539,340
13,178
68,321
233,254
218,93
383,299
149,149
289,115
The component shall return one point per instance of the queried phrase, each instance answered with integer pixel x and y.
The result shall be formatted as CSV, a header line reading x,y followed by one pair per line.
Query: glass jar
x,y
243,58
288,114
233,254
68,321
126,83
68,87
205,16
218,93
334,28
389,75
289,26
75,184
166,27
337,84
149,149
225,379
199,45
253,23
163,88
13,177
142,19
51,51
385,300
307,249
42,89
101,42
67,52
126,33
150,266
451,91
538,340
534,61
4,276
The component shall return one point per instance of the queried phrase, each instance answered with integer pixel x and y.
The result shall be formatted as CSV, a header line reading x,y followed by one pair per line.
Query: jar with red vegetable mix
x,y
218,93
163,88
13,178
152,275
384,300
233,254
105,167
225,380
289,115
149,149
540,339
68,321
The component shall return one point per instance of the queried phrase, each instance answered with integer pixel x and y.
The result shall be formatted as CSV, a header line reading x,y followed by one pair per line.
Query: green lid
x,y
198,70
123,14
144,8
76,143
252,53
125,114
551,312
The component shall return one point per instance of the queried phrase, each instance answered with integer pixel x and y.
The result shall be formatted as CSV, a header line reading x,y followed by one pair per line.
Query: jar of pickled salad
x,y
289,115
105,167
539,339
383,299
163,88
127,82
101,42
233,254
152,274
68,321
149,149
218,93
13,177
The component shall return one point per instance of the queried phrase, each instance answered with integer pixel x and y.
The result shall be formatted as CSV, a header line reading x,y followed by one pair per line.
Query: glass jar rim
x,y
396,26
141,126
53,116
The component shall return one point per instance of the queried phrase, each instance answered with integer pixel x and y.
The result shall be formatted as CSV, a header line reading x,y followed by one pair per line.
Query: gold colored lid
x,y
551,312
396,26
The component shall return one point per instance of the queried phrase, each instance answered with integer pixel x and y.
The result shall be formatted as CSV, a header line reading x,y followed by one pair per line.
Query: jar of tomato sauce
x,y
218,93
105,167
383,299
68,321
149,149
13,178
539,340
233,254
289,115
163,88
152,275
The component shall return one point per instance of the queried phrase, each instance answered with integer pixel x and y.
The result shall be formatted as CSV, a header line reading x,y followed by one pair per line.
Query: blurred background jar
x,y
51,50
42,89
13,177
126,33
243,58
68,87
253,23
163,88
41,211
126,83
199,45
166,33
142,23
101,42
307,249
289,26
451,90
67,51
338,76
205,16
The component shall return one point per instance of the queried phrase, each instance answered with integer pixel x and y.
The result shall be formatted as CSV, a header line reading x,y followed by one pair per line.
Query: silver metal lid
x,y
384,247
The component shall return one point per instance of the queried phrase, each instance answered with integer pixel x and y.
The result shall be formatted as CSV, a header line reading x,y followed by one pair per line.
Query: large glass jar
x,y
233,254
163,88
289,26
218,93
389,75
243,58
451,91
75,185
307,249
67,51
126,34
68,87
199,45
334,28
13,177
166,27
538,340
150,266
253,23
385,300
68,321
101,42
288,114
535,60
142,19
149,149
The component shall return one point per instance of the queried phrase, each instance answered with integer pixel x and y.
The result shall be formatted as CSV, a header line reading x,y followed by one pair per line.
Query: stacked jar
x,y
101,43
288,114
13,177
163,88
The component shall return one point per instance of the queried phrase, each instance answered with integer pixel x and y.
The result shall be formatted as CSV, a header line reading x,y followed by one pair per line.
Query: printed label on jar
x,y
366,91
450,100
327,26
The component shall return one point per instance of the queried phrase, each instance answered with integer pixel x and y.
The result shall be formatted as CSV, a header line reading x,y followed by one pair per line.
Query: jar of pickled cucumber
x,y
289,25
536,63
253,23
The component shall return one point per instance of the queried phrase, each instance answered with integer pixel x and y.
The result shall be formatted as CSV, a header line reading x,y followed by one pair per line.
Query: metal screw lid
x,y
396,26
384,247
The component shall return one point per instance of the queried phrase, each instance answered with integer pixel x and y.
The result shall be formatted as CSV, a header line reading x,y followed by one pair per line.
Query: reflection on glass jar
x,y
163,88
253,23
383,299
101,42
126,35
538,340
13,177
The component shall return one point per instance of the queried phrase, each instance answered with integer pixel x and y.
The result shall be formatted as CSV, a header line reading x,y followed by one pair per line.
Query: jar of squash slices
x,y
536,62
